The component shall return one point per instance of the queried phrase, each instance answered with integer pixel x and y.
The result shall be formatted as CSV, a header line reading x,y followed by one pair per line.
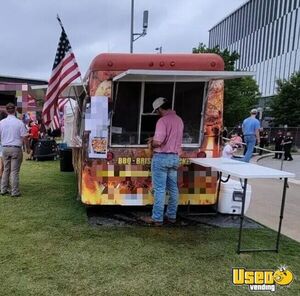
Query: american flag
x,y
64,71
56,121
61,103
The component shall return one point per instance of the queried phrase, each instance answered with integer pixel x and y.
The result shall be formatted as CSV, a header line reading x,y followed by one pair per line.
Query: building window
x,y
280,9
291,31
268,41
263,13
264,29
272,12
290,6
235,28
295,4
279,52
271,43
285,37
295,28
260,31
276,29
285,7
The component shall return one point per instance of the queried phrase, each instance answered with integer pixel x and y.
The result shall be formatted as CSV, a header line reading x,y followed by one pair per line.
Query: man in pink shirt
x,y
166,145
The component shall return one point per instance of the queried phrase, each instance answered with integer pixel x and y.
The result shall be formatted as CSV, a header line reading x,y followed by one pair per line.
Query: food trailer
x,y
113,163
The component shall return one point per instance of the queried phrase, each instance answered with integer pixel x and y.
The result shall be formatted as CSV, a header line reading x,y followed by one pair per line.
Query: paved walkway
x,y
266,198
288,166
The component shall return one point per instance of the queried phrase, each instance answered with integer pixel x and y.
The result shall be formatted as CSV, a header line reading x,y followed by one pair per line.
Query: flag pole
x,y
60,22
81,81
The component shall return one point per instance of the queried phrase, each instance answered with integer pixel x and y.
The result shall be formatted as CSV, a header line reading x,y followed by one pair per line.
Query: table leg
x,y
218,191
285,185
242,215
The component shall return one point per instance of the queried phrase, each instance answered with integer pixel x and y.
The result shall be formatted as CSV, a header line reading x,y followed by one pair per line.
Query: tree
x,y
229,58
286,104
240,95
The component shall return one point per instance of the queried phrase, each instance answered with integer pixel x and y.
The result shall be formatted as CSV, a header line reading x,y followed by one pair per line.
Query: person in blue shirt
x,y
250,128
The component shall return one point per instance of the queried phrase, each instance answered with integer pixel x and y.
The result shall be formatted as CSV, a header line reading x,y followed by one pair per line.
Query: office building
x,y
266,34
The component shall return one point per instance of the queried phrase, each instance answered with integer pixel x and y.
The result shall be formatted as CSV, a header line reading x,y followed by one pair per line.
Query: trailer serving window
x,y
135,90
133,121
126,109
188,104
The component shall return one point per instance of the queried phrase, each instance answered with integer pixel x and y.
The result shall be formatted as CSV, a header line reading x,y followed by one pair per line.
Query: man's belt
x,y
11,146
165,152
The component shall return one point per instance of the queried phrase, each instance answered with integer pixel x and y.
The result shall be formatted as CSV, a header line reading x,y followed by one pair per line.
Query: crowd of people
x,y
253,136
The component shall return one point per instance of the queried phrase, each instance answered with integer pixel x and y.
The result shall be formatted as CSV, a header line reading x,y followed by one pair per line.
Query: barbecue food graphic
x,y
99,145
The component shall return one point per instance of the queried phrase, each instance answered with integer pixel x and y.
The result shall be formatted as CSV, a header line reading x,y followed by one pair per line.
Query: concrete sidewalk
x,y
288,166
266,202
267,194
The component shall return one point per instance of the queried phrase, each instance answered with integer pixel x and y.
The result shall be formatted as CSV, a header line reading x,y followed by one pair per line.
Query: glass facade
x,y
266,34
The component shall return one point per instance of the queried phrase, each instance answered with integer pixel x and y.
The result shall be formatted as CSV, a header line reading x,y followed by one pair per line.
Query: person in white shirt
x,y
12,134
2,116
228,150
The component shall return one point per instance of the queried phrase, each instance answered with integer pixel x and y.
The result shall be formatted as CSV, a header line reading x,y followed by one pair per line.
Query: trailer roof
x,y
180,76
187,62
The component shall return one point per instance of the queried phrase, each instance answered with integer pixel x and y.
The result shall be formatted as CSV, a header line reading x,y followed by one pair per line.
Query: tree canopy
x,y
240,95
286,104
229,58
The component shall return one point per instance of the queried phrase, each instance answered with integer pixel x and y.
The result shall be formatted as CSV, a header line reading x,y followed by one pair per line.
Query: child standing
x,y
229,149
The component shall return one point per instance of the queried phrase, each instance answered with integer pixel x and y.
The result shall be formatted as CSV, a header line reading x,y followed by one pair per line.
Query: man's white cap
x,y
253,111
157,103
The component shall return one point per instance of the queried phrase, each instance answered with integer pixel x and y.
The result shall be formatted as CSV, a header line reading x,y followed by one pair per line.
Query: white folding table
x,y
246,171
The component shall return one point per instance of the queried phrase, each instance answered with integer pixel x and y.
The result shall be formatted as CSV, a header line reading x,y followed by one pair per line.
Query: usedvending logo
x,y
262,279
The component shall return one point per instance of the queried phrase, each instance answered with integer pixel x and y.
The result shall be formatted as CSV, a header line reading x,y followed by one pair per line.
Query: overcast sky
x,y
30,31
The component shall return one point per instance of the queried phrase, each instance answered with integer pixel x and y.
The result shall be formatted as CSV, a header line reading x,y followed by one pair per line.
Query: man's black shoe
x,y
4,193
148,220
16,195
170,221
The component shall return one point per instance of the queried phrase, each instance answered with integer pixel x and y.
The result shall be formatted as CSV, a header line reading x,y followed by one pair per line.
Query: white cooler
x,y
230,199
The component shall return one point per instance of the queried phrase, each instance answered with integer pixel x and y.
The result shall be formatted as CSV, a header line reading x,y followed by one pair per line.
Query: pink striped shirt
x,y
169,131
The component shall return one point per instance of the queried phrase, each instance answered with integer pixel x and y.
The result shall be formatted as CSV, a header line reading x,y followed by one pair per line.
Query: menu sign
x,y
96,121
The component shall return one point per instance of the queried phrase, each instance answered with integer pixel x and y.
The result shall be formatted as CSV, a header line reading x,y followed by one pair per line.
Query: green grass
x,y
47,248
